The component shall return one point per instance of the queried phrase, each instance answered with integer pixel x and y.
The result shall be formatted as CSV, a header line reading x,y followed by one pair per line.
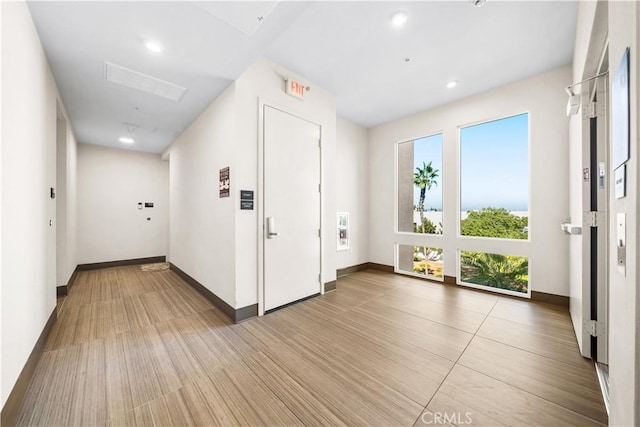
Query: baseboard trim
x,y
341,272
553,299
330,286
121,263
450,280
381,267
536,296
236,315
244,313
11,406
62,291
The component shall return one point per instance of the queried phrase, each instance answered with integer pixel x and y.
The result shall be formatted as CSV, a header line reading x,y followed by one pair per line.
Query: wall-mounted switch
x,y
139,205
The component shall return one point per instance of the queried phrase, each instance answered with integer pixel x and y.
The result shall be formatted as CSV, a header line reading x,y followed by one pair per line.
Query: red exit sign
x,y
295,89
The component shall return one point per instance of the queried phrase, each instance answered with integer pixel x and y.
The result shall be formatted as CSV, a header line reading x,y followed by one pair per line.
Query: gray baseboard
x,y
330,286
380,267
450,280
341,272
536,296
62,291
121,263
235,314
554,299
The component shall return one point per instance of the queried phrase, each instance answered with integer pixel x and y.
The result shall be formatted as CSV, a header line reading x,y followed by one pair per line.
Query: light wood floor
x,y
143,348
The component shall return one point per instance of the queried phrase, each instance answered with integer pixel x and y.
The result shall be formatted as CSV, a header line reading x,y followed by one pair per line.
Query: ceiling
x,y
348,48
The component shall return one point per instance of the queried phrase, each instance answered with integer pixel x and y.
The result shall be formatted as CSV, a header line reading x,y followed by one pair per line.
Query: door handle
x,y
271,228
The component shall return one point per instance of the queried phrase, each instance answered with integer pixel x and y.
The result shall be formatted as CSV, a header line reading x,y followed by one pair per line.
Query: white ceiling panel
x,y
201,53
351,49
378,73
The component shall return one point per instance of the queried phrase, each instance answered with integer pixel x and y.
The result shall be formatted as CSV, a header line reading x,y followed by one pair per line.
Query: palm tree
x,y
497,271
424,178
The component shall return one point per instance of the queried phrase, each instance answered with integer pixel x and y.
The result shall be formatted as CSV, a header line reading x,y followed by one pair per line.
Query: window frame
x,y
396,263
396,208
459,234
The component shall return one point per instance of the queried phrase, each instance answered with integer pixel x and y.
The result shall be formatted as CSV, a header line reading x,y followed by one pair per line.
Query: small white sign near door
x,y
343,231
620,178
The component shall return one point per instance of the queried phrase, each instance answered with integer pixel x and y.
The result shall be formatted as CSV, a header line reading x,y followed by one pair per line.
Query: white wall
x,y
202,225
265,80
624,313
544,98
111,182
211,239
352,189
28,171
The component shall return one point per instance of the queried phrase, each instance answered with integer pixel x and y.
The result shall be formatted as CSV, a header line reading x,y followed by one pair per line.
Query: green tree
x,y
494,222
424,178
497,271
427,227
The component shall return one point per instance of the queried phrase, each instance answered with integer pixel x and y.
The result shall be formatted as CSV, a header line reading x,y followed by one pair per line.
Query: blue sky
x,y
494,165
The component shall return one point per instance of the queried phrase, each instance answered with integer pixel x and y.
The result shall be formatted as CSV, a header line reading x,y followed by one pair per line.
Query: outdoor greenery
x,y
498,271
494,222
427,227
427,261
494,270
424,178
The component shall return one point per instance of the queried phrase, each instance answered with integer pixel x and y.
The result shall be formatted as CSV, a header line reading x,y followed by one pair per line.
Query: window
x,y
420,185
506,272
420,260
494,179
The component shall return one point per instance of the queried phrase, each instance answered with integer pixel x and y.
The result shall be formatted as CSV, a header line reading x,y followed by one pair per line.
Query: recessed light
x,y
398,19
126,140
153,46
452,84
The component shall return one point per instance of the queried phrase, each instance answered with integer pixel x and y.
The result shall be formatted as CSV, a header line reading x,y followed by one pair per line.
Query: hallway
x,y
143,348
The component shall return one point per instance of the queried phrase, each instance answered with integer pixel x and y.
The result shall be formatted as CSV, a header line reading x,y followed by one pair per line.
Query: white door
x,y
291,209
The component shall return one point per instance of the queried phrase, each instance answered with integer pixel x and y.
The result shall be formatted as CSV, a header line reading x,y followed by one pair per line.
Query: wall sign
x,y
225,182
246,200
295,88
620,178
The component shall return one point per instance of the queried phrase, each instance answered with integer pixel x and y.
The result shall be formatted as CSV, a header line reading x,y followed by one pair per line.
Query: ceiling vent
x,y
136,80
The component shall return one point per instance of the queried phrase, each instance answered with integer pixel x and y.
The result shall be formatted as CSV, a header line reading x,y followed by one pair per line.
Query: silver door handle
x,y
271,227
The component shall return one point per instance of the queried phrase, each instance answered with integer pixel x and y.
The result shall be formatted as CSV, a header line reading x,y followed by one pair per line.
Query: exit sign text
x,y
295,89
